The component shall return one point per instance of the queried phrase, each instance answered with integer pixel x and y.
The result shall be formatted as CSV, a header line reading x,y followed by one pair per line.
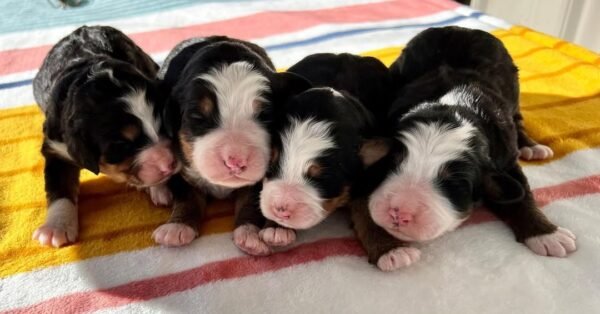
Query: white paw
x,y
536,152
398,258
559,243
62,225
56,235
174,234
246,239
278,236
160,195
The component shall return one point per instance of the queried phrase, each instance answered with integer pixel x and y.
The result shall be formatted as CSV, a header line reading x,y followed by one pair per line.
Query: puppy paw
x,y
536,152
277,236
62,224
559,243
160,195
56,235
398,258
174,234
247,239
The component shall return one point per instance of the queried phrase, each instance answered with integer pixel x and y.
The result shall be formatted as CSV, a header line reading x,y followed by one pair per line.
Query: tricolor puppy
x,y
324,140
222,94
102,112
458,134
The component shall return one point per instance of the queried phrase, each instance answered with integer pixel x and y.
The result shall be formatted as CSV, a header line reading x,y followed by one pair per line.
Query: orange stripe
x,y
548,140
559,103
555,73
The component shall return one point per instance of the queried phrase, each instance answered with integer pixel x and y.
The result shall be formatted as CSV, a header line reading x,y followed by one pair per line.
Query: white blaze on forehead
x,y
460,96
303,142
237,87
138,105
430,146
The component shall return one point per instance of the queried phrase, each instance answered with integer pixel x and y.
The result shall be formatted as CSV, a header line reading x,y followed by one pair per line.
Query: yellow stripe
x,y
560,97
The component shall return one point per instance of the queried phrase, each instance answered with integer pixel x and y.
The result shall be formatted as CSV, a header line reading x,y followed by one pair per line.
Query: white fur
x,y
60,149
61,226
302,142
200,182
237,87
558,244
138,106
462,95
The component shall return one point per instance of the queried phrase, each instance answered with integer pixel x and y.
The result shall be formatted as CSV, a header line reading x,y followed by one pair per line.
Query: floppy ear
x,y
81,147
372,150
502,189
287,84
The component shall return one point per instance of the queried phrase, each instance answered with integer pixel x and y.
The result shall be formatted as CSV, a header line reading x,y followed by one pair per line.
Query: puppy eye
x,y
314,170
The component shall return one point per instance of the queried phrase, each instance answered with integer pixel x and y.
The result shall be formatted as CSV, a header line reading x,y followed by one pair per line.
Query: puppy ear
x,y
287,84
500,188
81,147
372,150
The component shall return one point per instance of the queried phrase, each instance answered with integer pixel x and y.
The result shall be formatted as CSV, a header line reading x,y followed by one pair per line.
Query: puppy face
x,y
223,131
115,127
435,177
315,160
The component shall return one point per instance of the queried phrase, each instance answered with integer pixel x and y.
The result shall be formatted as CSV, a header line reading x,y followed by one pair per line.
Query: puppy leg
x,y
275,235
248,220
62,186
188,207
160,195
530,225
383,250
528,148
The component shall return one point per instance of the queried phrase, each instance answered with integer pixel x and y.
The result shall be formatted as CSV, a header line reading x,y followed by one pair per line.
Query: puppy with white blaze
x,y
102,111
222,93
458,136
324,138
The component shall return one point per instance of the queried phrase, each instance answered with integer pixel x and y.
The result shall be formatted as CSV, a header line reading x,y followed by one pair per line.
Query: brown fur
x,y
332,204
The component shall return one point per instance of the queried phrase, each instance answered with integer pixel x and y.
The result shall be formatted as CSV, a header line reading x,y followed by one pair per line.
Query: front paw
x,y
174,234
398,258
535,152
277,236
160,195
56,235
247,239
559,243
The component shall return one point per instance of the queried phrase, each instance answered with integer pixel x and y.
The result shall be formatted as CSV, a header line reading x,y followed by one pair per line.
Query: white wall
x,y
576,21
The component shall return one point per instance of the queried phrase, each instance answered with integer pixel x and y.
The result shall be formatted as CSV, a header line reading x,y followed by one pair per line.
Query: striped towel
x,y
115,266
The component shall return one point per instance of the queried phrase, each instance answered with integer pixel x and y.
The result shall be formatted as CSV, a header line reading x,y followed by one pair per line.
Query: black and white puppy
x,y
222,94
458,136
324,137
102,108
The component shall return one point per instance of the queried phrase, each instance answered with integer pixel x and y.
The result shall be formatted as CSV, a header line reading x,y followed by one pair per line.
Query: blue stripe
x,y
19,15
319,38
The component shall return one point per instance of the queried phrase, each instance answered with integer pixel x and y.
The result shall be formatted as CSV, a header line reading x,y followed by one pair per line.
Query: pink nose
x,y
167,167
401,218
235,165
281,212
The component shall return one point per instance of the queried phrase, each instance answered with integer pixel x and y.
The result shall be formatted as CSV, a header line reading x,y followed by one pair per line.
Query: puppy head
x,y
224,130
435,176
315,159
115,128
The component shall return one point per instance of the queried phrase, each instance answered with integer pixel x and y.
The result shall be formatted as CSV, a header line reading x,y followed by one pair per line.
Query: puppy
x,y
222,94
324,138
458,135
102,113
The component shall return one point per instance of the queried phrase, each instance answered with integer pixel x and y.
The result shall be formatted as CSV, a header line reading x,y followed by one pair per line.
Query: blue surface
x,y
22,15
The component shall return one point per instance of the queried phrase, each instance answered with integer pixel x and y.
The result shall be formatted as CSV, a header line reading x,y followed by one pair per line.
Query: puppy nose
x,y
401,218
167,168
235,164
281,212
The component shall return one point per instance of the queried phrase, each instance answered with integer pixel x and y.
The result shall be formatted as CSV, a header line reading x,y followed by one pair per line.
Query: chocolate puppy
x,y
324,139
458,136
102,111
222,95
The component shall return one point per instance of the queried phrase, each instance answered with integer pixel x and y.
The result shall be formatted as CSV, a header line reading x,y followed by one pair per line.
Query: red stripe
x,y
161,286
547,195
143,290
247,27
